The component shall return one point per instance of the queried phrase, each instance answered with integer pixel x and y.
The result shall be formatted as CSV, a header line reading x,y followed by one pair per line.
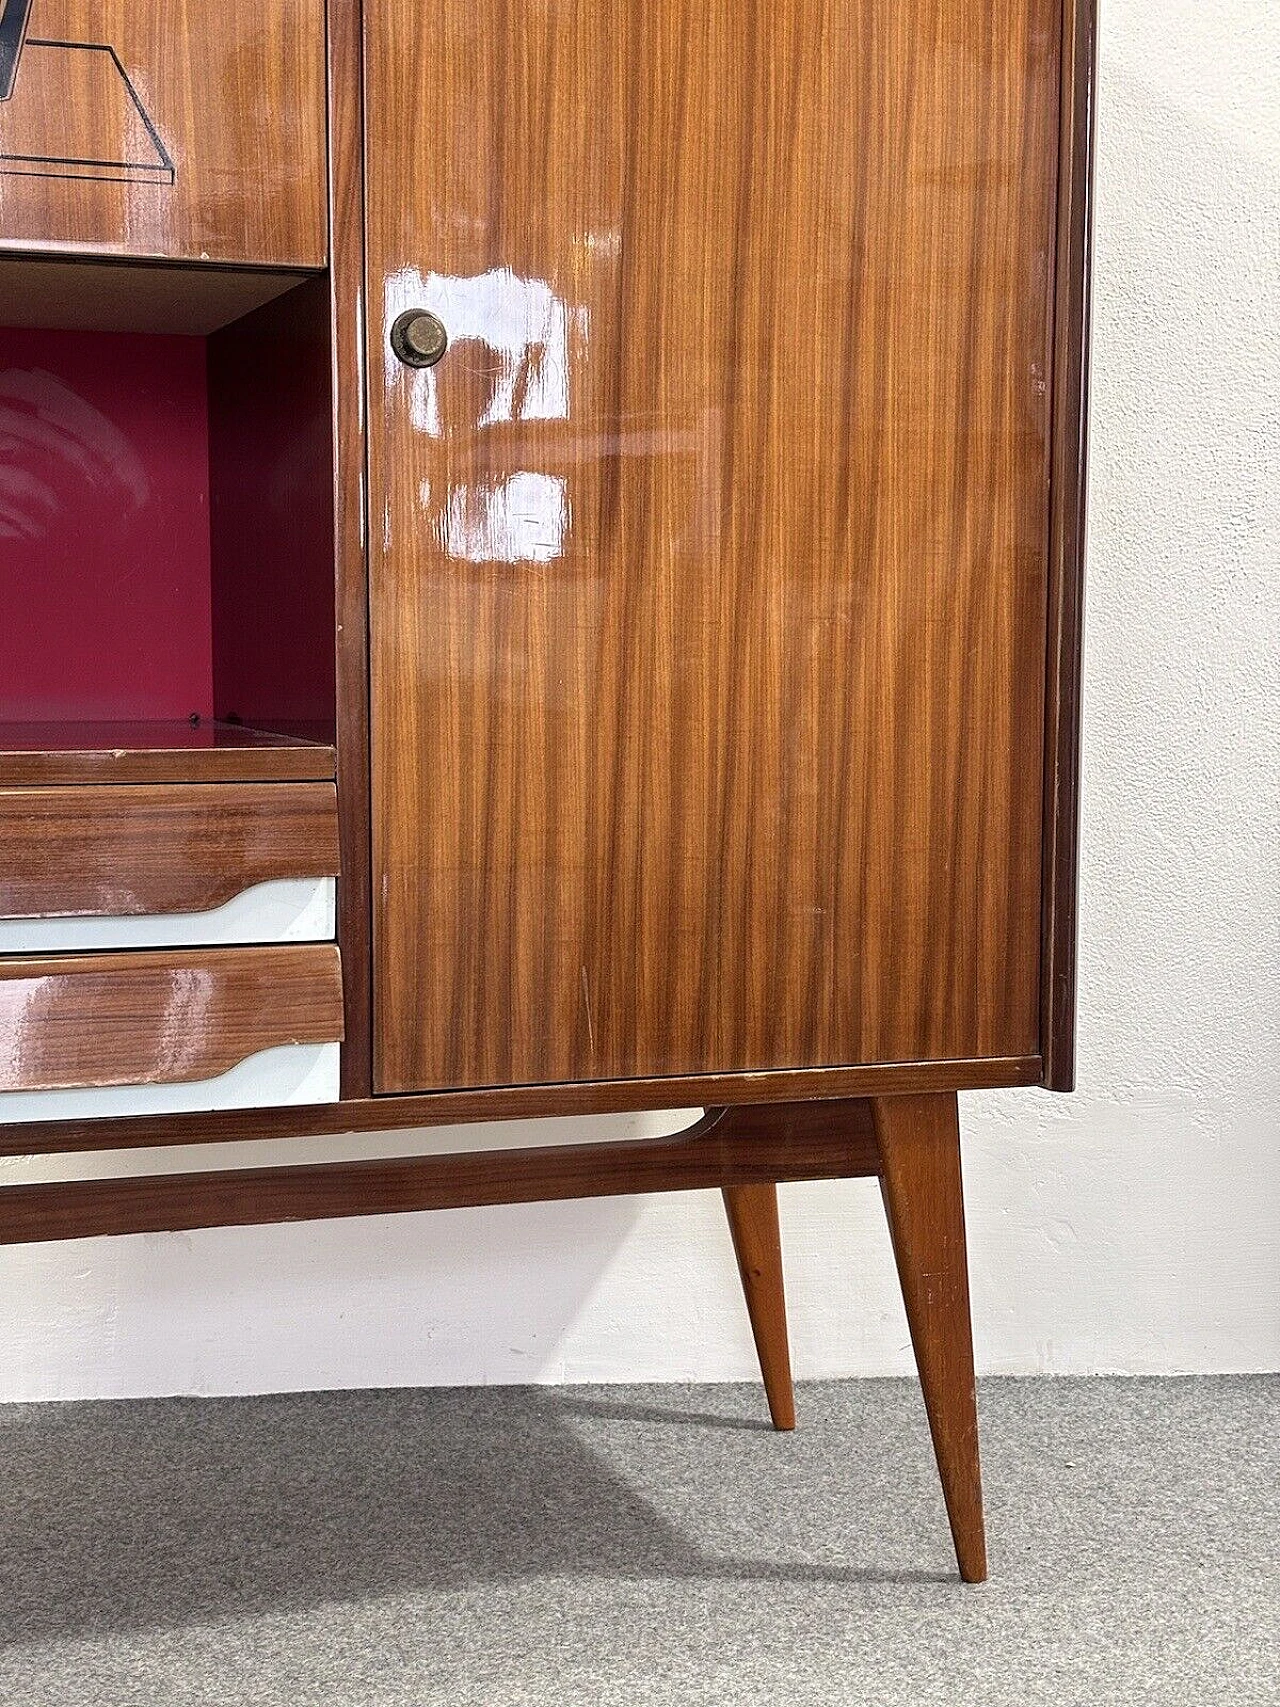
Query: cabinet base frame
x,y
524,1102
909,1142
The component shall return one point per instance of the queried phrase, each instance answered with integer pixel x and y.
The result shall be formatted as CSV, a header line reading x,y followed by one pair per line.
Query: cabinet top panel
x,y
162,128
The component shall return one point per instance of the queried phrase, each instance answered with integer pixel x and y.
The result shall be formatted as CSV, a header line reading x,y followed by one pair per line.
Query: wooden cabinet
x,y
631,542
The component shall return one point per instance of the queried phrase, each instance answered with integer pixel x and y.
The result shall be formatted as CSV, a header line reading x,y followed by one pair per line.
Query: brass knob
x,y
419,338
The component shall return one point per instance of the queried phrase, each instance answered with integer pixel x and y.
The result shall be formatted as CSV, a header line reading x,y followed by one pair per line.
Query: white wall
x,y
1135,1226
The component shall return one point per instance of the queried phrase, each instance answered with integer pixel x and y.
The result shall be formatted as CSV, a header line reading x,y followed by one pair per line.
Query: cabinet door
x,y
709,562
172,128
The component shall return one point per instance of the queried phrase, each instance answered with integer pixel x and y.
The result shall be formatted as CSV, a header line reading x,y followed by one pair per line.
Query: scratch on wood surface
x,y
586,1003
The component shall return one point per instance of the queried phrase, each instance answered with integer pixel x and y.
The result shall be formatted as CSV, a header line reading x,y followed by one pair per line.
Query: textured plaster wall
x,y
1135,1226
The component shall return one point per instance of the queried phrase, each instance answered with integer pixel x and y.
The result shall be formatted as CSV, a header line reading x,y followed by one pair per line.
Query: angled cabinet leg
x,y
753,1222
918,1138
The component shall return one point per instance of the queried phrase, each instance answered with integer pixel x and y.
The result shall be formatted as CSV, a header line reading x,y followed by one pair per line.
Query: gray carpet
x,y
639,1545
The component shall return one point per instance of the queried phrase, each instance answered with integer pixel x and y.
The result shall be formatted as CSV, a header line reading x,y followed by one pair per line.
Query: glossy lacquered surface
x,y
160,1018
173,128
709,565
130,851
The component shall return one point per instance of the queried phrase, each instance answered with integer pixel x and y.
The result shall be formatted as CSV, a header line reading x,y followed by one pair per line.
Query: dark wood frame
x,y
1069,453
347,291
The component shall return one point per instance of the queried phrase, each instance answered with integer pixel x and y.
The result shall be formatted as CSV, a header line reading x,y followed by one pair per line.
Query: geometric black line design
x,y
13,32
157,169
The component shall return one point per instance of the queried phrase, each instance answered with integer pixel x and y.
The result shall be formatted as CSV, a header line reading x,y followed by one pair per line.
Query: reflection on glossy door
x,y
708,564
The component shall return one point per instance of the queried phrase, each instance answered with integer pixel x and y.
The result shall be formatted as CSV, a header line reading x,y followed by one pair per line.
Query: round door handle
x,y
419,338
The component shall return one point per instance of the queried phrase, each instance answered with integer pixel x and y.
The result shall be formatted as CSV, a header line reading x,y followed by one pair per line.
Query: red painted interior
x,y
104,526
271,510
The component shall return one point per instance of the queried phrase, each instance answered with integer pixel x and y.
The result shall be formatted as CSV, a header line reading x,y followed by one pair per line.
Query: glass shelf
x,y
45,754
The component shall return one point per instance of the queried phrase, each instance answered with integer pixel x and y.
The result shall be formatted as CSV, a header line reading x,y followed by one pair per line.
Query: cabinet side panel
x,y
271,514
709,565
1067,545
346,218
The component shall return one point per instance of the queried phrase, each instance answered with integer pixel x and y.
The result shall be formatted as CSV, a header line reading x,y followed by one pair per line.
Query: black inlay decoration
x,y
145,158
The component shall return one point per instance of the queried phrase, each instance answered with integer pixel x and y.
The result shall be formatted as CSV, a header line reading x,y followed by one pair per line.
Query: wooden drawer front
x,y
209,863
159,128
157,1019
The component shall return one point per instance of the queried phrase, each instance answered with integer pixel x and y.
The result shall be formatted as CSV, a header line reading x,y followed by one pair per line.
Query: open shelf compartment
x,y
166,534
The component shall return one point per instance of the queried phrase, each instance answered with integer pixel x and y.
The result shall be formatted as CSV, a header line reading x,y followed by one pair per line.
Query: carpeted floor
x,y
640,1546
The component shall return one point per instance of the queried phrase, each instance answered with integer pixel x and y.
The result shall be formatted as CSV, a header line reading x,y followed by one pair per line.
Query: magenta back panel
x,y
105,607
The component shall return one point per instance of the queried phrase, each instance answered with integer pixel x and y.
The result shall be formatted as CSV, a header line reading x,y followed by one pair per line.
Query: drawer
x,y
148,1033
150,866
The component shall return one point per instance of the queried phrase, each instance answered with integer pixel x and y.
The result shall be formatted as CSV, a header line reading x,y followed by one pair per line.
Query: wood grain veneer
x,y
218,154
709,569
129,851
160,1018
48,754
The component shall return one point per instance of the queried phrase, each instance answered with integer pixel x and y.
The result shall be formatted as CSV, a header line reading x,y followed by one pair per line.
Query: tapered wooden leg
x,y
918,1138
753,1221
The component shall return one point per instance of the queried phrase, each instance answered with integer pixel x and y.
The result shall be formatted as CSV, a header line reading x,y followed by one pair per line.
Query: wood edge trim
x,y
94,255
216,957
706,1156
1067,521
460,1108
160,767
346,197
